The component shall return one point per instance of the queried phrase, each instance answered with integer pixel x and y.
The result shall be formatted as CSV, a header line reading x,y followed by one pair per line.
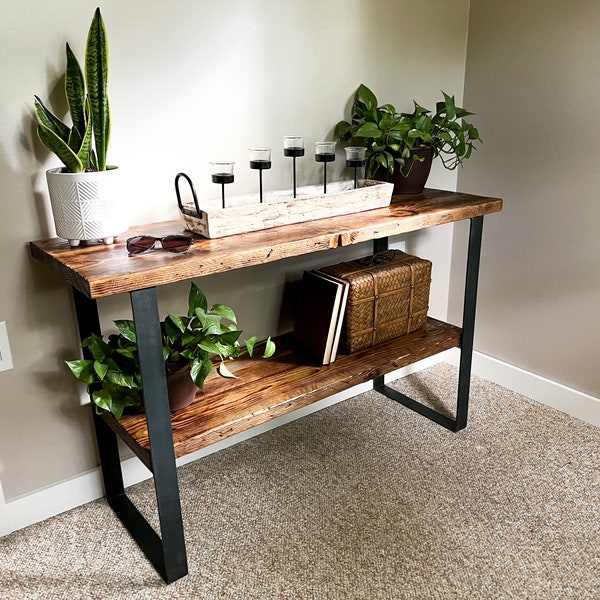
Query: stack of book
x,y
318,326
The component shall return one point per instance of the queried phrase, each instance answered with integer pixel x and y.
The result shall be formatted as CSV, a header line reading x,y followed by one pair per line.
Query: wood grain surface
x,y
266,389
99,270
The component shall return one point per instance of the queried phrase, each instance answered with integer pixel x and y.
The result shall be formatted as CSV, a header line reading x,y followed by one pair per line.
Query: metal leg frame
x,y
168,555
466,347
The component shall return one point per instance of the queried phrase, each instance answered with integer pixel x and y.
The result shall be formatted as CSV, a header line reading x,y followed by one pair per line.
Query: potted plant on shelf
x,y
191,345
401,146
85,200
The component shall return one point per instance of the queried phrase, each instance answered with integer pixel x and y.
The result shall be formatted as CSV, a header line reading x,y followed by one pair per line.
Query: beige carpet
x,y
363,500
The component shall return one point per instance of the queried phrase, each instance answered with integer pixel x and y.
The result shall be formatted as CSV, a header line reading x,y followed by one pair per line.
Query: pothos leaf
x,y
225,372
269,348
196,299
224,312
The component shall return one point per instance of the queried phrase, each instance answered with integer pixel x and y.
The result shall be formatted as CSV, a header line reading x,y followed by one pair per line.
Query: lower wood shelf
x,y
266,389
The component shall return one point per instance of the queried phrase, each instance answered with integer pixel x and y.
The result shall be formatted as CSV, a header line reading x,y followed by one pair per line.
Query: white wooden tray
x,y
246,213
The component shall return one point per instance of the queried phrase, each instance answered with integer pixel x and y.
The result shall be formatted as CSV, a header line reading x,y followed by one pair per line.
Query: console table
x,y
265,389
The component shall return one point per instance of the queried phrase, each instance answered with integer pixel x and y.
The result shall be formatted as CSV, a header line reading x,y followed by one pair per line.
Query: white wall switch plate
x,y
5,355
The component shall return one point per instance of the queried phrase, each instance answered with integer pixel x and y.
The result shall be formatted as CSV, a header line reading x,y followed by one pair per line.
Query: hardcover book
x,y
318,325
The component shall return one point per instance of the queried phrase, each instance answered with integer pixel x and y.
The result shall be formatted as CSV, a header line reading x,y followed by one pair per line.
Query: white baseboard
x,y
41,504
568,400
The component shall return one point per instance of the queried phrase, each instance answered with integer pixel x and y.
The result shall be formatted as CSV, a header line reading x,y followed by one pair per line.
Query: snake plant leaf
x,y
75,94
96,74
61,149
55,135
49,120
83,153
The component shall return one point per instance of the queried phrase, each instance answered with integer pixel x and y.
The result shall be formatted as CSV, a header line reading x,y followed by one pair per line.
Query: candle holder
x,y
325,153
260,159
222,172
293,146
355,158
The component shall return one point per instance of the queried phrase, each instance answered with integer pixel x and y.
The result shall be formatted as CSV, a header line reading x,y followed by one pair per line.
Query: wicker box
x,y
388,297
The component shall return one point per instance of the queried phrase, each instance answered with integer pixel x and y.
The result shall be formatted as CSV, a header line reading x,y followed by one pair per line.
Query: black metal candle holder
x,y
293,146
324,153
355,158
222,173
260,159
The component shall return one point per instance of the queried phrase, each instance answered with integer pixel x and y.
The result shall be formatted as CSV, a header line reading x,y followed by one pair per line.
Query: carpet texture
x,y
362,500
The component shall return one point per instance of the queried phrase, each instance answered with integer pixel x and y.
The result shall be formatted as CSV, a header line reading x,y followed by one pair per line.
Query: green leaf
x,y
103,399
449,106
366,97
126,328
250,345
343,130
101,369
269,348
210,346
199,370
96,73
82,369
55,136
225,372
229,338
50,121
196,299
99,348
75,93
224,312
121,379
368,130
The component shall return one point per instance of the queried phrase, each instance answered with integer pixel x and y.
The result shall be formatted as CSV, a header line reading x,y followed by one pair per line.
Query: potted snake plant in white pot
x,y
84,193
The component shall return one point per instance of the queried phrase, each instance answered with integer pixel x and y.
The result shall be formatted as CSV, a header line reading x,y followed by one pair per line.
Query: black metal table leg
x,y
468,322
108,449
466,345
158,418
168,555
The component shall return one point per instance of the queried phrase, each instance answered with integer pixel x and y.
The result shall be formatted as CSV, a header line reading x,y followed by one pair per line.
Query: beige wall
x,y
532,77
190,81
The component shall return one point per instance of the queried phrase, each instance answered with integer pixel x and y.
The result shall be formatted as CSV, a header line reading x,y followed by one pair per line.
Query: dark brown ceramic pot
x,y
180,386
412,177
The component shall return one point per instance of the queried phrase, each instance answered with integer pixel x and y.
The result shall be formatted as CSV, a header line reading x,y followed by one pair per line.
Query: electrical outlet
x,y
5,355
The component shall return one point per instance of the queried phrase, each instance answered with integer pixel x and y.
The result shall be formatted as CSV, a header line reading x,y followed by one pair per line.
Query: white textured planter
x,y
87,206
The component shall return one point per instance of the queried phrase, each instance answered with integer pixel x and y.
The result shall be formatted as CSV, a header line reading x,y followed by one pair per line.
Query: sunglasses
x,y
171,243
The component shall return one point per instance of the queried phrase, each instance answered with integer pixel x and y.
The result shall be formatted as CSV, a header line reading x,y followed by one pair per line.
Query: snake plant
x,y
81,147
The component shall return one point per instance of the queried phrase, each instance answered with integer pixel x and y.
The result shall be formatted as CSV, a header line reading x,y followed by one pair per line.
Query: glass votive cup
x,y
324,151
355,156
260,158
293,145
222,171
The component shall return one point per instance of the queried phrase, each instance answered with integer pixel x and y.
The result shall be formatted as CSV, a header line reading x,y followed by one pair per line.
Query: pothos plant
x,y
391,137
200,339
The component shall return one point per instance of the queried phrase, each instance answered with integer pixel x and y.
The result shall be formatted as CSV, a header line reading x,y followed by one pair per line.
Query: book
x,y
319,319
341,312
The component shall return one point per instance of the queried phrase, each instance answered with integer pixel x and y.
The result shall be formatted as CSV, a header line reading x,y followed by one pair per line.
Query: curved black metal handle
x,y
180,204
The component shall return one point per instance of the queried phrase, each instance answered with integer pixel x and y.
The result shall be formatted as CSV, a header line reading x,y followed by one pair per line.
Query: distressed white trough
x,y
245,213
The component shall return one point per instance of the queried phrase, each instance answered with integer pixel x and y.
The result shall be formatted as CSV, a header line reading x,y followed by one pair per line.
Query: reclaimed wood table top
x,y
98,270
